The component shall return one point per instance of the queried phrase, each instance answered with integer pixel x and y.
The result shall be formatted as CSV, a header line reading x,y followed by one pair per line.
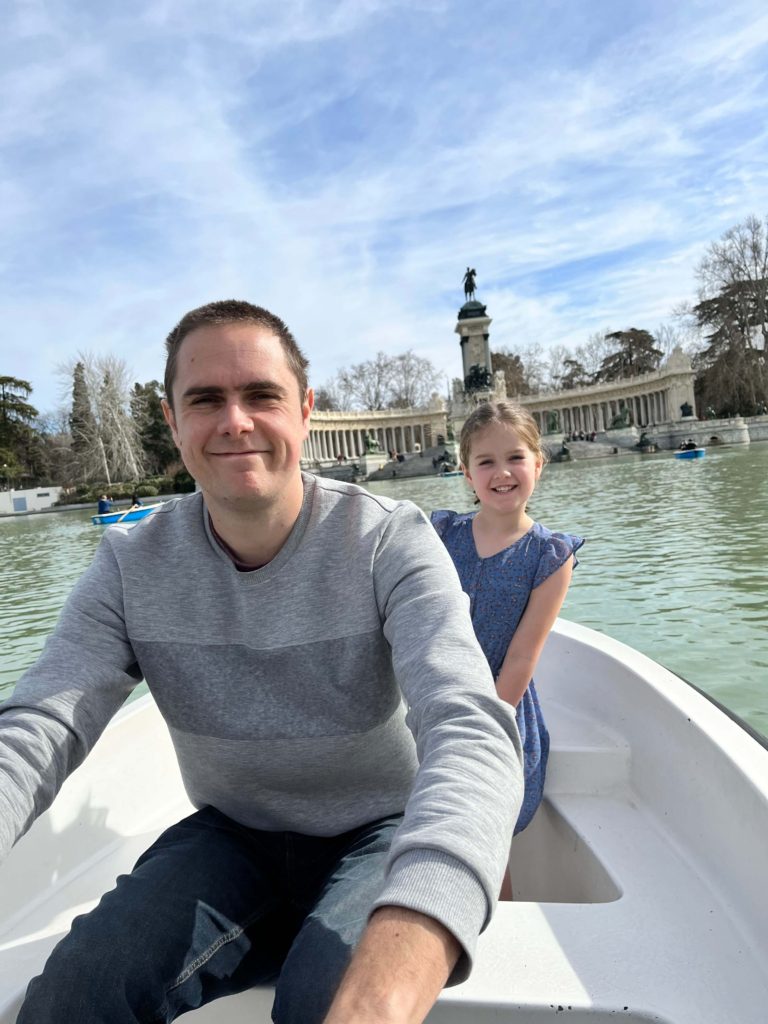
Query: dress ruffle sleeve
x,y
441,519
558,549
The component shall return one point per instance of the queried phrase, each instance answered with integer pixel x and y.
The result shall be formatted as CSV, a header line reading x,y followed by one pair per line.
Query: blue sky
x,y
342,162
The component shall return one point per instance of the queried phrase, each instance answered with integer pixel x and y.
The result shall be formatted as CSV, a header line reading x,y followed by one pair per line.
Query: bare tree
x,y
413,380
368,383
104,435
557,356
681,334
535,363
333,396
385,382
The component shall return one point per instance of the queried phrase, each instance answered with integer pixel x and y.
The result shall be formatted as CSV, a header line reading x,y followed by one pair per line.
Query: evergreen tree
x,y
22,446
635,353
82,424
154,434
413,381
574,375
16,414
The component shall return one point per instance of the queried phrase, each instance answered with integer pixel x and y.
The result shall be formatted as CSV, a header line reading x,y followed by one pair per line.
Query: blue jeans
x,y
214,908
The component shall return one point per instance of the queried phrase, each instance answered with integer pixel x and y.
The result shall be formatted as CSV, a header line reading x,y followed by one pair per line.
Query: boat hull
x,y
131,516
692,453
639,885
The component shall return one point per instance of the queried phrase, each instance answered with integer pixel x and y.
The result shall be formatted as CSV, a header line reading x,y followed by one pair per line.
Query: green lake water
x,y
675,564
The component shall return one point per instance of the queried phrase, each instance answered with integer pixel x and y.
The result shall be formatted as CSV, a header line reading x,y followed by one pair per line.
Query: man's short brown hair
x,y
229,311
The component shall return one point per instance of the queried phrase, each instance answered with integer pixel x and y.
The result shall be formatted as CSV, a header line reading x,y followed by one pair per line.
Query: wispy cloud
x,y
342,162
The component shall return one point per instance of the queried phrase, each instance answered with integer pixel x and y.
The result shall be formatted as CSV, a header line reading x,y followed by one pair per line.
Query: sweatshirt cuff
x,y
8,832
444,888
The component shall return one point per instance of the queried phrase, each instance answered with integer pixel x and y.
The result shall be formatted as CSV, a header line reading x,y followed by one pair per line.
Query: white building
x,y
32,499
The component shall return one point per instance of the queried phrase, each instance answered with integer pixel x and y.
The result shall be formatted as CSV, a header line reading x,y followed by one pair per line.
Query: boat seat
x,y
584,757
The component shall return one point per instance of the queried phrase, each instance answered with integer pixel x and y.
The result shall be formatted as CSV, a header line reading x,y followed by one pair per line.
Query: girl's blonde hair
x,y
519,419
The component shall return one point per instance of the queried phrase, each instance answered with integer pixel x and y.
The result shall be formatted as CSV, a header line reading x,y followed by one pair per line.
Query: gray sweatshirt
x,y
338,684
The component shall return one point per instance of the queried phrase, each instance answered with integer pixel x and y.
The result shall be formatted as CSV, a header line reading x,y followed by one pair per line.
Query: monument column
x,y
473,330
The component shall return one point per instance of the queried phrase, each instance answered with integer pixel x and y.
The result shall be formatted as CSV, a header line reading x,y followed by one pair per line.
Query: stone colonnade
x,y
645,410
332,434
663,396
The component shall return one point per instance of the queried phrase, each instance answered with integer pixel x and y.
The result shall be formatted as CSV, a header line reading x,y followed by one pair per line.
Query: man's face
x,y
237,417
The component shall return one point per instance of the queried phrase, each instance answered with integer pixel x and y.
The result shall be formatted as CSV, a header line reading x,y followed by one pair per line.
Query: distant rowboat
x,y
129,516
691,453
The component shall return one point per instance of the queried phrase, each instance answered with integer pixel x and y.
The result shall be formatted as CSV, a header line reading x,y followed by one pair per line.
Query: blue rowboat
x,y
691,453
129,516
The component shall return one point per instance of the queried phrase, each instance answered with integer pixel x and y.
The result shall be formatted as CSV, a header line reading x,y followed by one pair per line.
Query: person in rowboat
x,y
334,719
515,571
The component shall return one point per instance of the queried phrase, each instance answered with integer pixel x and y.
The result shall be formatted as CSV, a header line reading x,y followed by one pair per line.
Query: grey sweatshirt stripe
x,y
285,698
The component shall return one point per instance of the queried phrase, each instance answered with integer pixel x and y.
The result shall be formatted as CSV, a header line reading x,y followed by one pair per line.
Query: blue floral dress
x,y
498,589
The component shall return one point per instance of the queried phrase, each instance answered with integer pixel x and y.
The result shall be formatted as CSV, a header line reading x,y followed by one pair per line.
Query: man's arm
x,y
449,854
397,972
61,705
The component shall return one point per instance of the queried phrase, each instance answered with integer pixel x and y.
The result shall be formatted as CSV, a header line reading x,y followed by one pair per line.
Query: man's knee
x,y
91,980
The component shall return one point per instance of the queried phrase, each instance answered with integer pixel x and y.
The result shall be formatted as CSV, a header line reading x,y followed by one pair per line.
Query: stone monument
x,y
478,382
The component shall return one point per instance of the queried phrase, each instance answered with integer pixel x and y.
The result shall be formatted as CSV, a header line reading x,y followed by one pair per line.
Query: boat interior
x,y
638,888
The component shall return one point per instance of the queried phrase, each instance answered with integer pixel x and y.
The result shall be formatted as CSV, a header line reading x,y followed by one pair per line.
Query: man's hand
x,y
397,972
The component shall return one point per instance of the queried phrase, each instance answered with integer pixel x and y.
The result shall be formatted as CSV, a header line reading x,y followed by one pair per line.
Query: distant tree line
x,y
110,436
110,432
606,356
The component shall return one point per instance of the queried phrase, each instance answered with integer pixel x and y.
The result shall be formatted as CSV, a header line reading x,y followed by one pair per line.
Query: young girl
x,y
515,571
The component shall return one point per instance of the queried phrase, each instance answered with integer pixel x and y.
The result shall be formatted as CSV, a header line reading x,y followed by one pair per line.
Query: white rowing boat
x,y
640,890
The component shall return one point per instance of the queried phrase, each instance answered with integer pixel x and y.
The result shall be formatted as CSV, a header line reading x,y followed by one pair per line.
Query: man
x,y
286,616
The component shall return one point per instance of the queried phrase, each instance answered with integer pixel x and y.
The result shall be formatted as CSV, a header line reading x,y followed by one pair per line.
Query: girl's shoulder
x,y
443,519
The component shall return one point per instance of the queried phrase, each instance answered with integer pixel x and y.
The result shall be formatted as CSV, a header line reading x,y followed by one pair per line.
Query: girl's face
x,y
502,468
